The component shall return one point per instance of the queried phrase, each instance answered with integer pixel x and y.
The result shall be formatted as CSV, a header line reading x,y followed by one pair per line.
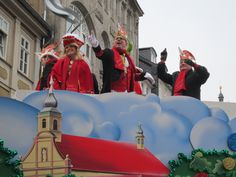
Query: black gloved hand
x,y
189,62
163,55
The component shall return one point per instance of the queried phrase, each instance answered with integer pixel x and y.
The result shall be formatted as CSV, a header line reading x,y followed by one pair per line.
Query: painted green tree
x,y
8,165
69,175
204,164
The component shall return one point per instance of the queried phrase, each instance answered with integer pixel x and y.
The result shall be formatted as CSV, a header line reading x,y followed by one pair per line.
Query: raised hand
x,y
139,69
92,39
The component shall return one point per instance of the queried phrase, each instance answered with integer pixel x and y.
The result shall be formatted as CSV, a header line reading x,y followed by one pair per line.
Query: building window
x,y
112,9
118,10
153,57
4,25
54,124
82,31
139,141
44,124
24,55
129,15
123,14
2,45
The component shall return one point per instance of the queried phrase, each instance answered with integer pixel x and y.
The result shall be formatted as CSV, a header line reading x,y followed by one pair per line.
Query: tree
x,y
204,164
69,175
8,165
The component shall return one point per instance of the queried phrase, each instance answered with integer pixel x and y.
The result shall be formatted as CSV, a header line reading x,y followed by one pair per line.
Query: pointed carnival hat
x,y
185,54
164,52
121,33
49,50
72,39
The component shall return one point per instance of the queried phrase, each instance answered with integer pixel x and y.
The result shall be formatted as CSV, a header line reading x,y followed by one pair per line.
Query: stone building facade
x,y
21,32
27,25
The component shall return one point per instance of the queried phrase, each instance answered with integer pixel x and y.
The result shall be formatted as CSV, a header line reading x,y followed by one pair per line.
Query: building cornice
x,y
137,6
22,10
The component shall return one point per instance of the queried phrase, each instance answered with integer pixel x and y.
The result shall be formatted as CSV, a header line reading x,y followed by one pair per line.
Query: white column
x,y
37,63
16,54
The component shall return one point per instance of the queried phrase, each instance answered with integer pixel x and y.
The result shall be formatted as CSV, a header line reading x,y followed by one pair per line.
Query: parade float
x,y
61,133
117,134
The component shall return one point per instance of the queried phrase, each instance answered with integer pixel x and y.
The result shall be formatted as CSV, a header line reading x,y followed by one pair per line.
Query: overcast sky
x,y
207,28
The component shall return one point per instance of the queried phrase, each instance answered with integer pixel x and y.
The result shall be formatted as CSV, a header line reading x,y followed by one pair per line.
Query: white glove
x,y
92,40
139,69
149,77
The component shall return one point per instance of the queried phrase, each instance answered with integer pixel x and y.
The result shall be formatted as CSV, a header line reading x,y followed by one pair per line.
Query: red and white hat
x,y
185,54
72,39
49,50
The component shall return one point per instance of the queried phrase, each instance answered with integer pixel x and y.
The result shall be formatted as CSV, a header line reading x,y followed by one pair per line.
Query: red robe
x,y
128,79
137,88
116,77
79,79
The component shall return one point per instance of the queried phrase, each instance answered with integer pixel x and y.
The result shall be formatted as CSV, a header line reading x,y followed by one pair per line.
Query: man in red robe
x,y
71,72
188,80
119,70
